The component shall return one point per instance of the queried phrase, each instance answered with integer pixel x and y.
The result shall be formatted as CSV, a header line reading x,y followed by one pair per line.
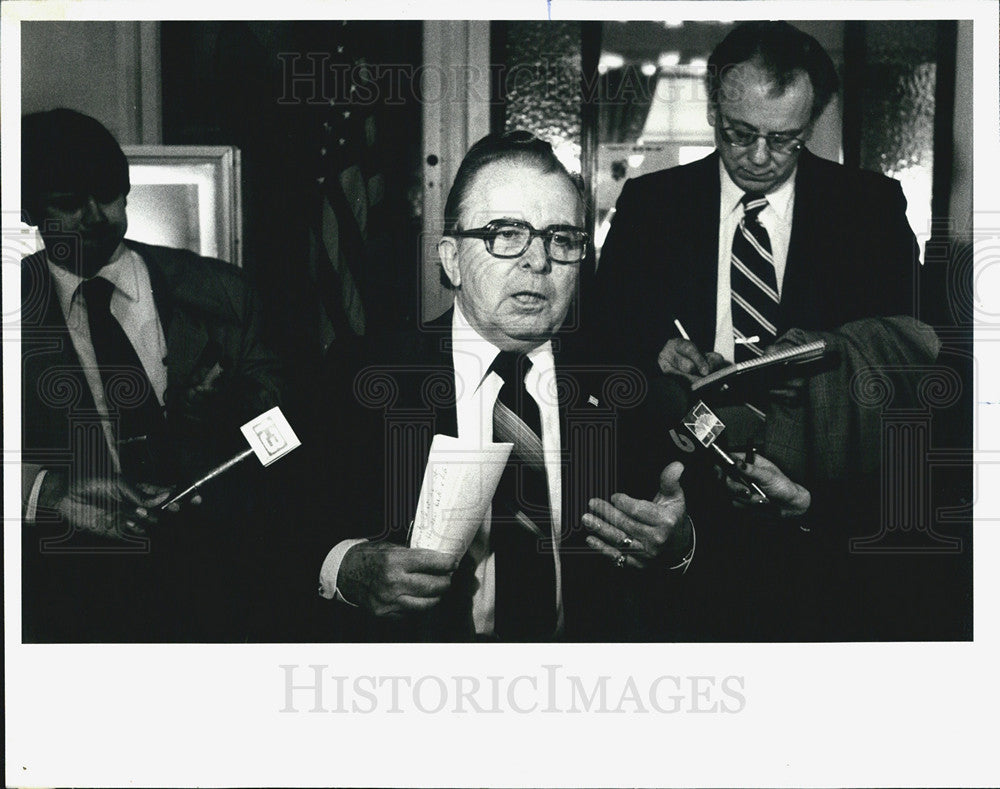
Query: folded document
x,y
455,495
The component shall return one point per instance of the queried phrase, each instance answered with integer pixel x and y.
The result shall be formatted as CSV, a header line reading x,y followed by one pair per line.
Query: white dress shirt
x,y
133,307
776,219
475,395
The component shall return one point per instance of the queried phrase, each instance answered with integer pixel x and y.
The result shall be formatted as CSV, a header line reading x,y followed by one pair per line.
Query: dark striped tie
x,y
753,282
520,529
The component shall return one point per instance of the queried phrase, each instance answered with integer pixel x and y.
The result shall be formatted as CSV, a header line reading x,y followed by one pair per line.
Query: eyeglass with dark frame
x,y
510,238
777,142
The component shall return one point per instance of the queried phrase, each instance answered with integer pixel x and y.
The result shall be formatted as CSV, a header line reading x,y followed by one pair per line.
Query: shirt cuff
x,y
331,569
684,563
31,503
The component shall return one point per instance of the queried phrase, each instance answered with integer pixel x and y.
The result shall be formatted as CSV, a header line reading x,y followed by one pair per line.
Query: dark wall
x,y
274,89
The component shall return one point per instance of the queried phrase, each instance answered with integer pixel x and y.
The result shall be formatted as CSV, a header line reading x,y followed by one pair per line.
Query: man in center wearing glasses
x,y
560,547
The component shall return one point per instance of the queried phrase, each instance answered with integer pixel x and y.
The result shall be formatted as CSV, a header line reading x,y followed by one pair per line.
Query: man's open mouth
x,y
528,298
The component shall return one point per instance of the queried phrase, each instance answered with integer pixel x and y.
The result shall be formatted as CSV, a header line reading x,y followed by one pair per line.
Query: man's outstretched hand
x,y
103,506
637,532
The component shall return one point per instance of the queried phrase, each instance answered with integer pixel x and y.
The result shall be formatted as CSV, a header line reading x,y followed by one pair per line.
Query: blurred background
x,y
316,155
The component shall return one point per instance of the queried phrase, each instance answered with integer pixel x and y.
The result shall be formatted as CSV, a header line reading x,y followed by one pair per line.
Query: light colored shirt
x,y
776,219
475,395
133,307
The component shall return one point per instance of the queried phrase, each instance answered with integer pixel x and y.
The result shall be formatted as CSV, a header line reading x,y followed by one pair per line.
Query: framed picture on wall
x,y
187,196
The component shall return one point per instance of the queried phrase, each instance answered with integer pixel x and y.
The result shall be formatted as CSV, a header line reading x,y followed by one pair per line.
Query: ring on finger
x,y
626,541
620,561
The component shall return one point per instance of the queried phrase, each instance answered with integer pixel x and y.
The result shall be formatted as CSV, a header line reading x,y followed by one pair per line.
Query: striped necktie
x,y
521,526
753,282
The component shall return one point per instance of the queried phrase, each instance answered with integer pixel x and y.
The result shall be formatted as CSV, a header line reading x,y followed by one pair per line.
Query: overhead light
x,y
669,59
698,63
610,60
635,160
669,23
648,69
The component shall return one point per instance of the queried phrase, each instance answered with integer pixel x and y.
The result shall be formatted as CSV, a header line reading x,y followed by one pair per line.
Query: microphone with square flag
x,y
270,437
692,424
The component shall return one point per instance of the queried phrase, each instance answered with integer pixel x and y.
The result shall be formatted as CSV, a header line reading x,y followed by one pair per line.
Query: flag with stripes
x,y
350,186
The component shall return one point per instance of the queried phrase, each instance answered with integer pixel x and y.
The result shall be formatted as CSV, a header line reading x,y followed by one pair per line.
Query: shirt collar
x,y
473,354
780,200
121,270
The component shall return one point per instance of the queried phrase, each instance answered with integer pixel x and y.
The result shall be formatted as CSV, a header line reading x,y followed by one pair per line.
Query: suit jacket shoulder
x,y
852,253
817,170
204,284
377,398
658,263
694,173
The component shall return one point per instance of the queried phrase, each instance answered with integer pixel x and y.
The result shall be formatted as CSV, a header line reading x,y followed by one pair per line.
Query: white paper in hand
x,y
270,436
459,482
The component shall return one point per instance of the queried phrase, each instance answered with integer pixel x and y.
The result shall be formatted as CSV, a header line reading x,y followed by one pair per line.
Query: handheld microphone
x,y
699,426
270,438
702,423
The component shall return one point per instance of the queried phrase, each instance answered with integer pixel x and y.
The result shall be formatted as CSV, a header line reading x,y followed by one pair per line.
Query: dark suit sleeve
x,y
880,260
658,263
852,253
336,488
221,369
617,306
257,375
899,253
316,501
340,468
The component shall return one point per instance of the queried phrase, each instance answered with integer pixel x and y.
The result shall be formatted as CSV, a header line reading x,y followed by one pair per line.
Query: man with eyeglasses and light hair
x,y
839,241
756,247
554,553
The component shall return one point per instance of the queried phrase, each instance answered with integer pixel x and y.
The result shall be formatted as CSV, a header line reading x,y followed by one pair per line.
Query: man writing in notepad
x,y
760,246
760,236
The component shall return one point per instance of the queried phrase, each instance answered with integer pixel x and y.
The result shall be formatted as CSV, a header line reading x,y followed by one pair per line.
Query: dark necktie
x,y
753,282
521,526
128,392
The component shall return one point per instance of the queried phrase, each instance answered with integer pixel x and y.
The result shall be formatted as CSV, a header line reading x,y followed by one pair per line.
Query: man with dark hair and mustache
x,y
139,363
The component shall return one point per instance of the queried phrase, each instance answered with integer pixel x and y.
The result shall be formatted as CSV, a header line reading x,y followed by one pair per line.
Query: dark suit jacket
x,y
851,255
205,307
200,301
382,405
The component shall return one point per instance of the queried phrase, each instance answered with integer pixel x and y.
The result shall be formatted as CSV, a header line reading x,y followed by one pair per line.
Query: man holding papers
x,y
478,438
